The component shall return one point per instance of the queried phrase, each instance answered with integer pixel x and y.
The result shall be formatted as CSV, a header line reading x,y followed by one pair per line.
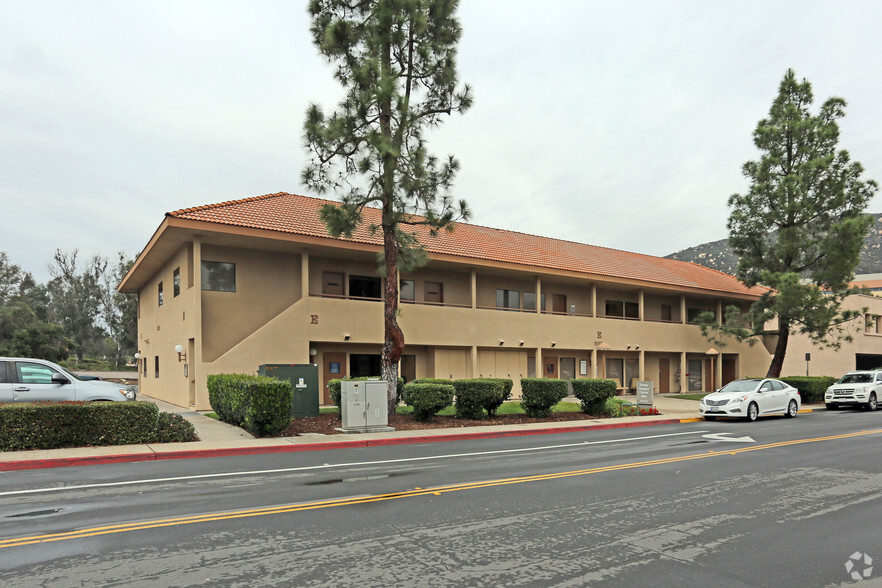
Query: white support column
x,y
594,300
642,365
640,308
682,310
474,288
594,363
474,361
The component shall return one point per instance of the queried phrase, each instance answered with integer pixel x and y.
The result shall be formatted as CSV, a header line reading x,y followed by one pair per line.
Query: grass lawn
x,y
692,396
507,408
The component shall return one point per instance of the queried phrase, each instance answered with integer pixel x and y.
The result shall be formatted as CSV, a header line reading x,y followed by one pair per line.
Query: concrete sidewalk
x,y
221,439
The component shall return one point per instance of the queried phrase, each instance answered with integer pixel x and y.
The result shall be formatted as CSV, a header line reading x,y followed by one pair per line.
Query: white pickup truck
x,y
859,388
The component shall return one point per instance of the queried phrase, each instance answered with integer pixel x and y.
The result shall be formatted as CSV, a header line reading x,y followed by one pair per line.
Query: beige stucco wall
x,y
161,328
267,321
833,362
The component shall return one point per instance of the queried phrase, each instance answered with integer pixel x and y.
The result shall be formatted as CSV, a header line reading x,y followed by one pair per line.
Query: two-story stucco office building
x,y
253,281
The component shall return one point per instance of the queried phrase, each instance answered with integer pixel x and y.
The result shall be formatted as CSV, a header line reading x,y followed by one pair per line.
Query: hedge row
x,y
480,397
811,388
427,399
593,394
53,425
259,404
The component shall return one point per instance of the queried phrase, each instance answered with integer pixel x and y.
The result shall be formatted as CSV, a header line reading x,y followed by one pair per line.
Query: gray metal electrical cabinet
x,y
304,385
364,406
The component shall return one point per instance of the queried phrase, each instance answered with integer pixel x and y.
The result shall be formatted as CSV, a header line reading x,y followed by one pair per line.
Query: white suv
x,y
858,388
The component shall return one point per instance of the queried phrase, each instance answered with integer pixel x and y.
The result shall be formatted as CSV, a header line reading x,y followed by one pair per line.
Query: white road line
x,y
339,465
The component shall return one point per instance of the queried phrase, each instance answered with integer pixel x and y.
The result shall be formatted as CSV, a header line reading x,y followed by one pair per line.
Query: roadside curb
x,y
320,446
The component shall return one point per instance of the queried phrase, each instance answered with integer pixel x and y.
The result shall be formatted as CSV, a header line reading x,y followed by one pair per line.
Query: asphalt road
x,y
779,502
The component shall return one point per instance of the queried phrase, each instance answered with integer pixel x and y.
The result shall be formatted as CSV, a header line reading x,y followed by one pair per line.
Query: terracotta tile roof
x,y
870,284
290,213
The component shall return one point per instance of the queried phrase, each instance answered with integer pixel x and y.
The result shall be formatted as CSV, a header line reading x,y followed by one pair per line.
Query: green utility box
x,y
304,380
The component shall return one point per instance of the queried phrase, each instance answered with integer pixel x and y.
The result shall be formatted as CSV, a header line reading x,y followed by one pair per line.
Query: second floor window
x,y
365,287
406,290
530,300
509,299
159,292
176,281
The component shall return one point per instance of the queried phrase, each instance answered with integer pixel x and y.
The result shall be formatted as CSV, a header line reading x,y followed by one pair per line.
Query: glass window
x,y
33,373
365,287
615,308
614,368
3,378
176,281
510,299
530,301
632,310
156,361
160,293
407,291
218,276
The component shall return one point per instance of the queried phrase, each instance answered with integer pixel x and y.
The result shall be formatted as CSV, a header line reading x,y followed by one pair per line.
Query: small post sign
x,y
644,393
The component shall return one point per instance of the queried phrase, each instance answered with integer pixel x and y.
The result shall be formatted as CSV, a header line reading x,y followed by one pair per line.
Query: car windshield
x,y
856,378
740,386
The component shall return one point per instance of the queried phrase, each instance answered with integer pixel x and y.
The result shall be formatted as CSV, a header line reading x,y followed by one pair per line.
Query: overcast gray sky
x,y
621,124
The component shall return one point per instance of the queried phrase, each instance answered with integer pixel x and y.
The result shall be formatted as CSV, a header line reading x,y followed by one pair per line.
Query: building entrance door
x,y
664,376
332,284
334,369
568,371
433,292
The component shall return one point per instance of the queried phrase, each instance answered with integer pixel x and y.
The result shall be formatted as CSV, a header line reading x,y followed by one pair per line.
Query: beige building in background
x,y
863,352
254,281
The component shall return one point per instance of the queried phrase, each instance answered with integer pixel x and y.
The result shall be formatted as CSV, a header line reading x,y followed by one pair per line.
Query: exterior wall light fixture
x,y
182,356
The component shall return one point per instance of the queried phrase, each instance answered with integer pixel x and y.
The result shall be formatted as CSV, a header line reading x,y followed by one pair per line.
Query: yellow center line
x,y
437,491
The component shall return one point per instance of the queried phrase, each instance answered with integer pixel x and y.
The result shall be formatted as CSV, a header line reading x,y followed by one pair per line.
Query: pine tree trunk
x,y
780,349
394,337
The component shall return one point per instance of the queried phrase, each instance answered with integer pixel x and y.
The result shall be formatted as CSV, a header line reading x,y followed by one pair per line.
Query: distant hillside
x,y
719,256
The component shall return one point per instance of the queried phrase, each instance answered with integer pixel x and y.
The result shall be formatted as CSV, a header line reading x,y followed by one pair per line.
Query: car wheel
x,y
792,409
752,412
831,407
710,418
871,405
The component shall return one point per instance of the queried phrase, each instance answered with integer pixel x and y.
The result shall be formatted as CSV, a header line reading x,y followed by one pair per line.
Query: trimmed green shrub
x,y
334,389
616,407
540,395
259,404
51,425
427,399
811,388
433,381
173,428
493,404
475,396
593,394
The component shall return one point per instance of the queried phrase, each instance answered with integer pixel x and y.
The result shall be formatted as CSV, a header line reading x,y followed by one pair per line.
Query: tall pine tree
x,y
396,61
800,228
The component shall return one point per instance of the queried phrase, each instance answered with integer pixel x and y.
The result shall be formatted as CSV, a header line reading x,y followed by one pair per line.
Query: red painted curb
x,y
203,453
